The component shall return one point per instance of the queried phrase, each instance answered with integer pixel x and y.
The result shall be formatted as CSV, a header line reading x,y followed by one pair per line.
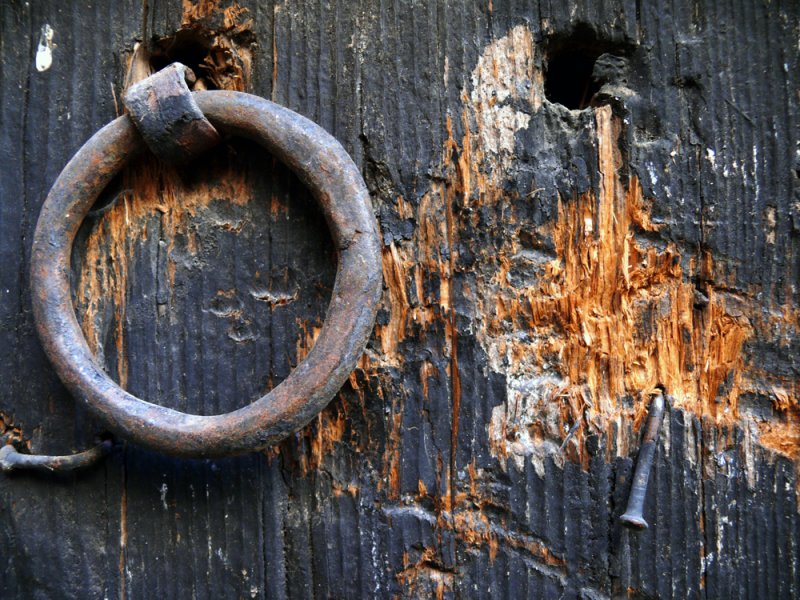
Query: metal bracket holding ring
x,y
176,124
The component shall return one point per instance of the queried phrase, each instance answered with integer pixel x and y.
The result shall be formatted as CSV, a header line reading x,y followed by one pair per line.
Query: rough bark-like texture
x,y
545,269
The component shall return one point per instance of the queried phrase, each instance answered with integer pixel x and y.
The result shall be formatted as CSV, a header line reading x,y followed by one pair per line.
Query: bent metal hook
x,y
175,124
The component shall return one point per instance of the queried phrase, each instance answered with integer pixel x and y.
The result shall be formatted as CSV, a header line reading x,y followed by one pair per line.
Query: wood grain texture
x,y
544,269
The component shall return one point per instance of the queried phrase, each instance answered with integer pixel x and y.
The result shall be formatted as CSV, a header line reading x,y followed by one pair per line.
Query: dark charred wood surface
x,y
444,468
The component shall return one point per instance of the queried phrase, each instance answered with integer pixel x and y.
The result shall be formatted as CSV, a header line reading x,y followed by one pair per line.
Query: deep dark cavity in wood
x,y
218,50
190,46
568,79
570,75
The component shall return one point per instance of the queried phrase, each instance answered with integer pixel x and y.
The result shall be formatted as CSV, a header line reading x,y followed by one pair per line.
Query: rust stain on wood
x,y
11,433
426,577
392,457
156,201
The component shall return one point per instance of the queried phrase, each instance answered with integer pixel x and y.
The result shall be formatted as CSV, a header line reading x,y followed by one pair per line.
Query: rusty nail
x,y
633,516
12,460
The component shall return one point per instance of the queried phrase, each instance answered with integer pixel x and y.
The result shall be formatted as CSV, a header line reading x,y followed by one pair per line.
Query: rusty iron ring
x,y
324,166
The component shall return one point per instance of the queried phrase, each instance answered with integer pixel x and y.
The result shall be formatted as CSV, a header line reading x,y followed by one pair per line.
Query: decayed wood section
x,y
545,270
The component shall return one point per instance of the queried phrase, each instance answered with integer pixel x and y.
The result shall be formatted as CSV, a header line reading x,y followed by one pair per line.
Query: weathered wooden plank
x,y
544,269
70,526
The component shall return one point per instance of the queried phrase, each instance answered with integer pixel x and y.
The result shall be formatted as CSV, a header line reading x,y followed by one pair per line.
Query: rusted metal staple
x,y
167,116
634,513
11,459
321,164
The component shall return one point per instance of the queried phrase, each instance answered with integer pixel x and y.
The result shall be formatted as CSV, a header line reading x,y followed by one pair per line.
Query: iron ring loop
x,y
323,165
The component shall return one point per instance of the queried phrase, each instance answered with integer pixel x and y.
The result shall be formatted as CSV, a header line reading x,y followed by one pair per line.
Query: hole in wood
x,y
569,77
220,58
188,46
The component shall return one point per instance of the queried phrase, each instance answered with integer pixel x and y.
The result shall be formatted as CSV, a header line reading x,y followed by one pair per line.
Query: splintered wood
x,y
615,309
154,200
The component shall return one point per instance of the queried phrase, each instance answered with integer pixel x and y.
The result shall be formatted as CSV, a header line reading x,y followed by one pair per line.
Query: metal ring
x,y
321,164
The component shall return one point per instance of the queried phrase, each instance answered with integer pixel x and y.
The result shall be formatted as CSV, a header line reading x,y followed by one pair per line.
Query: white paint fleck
x,y
755,172
376,563
163,491
44,52
711,157
653,174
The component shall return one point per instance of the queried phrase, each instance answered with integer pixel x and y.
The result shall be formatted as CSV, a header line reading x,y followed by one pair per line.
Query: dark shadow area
x,y
569,77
